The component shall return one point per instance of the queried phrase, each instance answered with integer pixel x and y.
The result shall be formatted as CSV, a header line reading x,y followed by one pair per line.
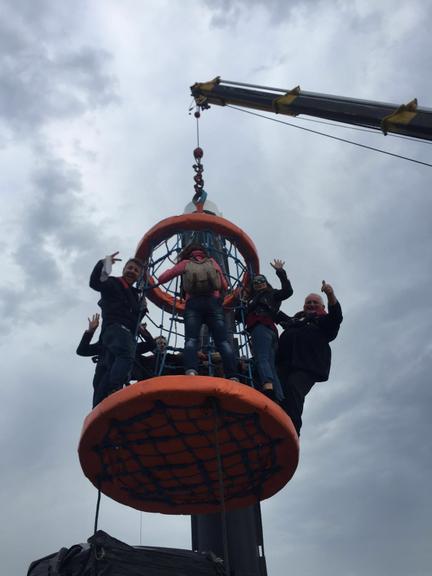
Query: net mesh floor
x,y
178,455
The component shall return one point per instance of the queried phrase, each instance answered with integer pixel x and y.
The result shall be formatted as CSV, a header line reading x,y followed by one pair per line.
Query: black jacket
x,y
304,344
119,305
267,302
87,349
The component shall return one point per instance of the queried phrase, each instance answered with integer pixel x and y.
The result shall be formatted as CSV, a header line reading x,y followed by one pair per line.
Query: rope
x,y
197,116
332,137
221,490
97,512
97,552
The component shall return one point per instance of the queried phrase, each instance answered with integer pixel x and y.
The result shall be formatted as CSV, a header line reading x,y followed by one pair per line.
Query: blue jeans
x,y
206,310
264,346
119,347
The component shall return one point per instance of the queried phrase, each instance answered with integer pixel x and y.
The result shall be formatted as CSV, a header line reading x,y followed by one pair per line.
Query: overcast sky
x,y
96,147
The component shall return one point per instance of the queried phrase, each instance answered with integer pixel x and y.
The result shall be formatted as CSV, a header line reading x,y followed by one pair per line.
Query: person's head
x,y
190,248
161,343
132,270
313,304
259,283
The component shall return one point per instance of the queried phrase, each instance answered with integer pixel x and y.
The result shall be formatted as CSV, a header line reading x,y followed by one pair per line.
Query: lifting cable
x,y
362,128
97,512
330,136
221,488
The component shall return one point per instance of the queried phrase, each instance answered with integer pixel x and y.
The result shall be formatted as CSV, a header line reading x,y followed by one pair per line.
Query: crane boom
x,y
407,119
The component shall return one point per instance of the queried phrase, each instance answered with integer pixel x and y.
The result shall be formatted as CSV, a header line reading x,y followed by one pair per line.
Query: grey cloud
x,y
228,12
360,500
41,78
36,88
45,76
49,219
56,229
38,18
10,301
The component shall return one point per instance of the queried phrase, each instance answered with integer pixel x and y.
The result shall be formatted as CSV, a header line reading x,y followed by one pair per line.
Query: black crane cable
x,y
363,128
330,136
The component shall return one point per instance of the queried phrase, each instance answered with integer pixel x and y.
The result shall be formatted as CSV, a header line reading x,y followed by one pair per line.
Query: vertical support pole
x,y
244,535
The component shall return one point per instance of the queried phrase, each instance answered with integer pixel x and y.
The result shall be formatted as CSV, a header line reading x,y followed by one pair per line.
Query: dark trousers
x,y
206,310
118,356
99,374
264,347
296,385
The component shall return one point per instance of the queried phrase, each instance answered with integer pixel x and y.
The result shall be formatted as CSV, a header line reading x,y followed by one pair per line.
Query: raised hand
x,y
114,259
93,322
329,292
326,288
277,264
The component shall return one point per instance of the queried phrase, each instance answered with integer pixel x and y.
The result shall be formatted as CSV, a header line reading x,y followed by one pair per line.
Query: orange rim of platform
x,y
154,445
199,221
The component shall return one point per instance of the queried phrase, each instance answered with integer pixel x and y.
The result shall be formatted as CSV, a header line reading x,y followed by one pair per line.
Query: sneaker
x,y
191,372
234,379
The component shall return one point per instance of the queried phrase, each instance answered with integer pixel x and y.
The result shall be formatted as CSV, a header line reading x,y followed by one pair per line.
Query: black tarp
x,y
106,556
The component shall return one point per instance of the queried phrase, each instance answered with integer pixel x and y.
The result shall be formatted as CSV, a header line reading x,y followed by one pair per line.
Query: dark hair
x,y
251,284
187,250
260,276
137,261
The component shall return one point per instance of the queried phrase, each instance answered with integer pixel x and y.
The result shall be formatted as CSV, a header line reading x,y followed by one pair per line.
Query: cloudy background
x,y
96,147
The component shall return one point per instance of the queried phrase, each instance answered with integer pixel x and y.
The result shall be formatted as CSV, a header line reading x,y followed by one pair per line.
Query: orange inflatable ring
x,y
165,444
199,221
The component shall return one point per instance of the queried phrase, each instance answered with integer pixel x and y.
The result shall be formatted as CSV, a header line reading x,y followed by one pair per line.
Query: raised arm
x,y
93,323
172,272
102,271
334,318
286,289
329,292
84,347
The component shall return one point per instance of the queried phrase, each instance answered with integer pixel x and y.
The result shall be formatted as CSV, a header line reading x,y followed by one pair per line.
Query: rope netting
x,y
188,445
168,319
167,455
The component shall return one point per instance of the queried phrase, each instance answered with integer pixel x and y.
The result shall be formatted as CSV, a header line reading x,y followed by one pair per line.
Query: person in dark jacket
x,y
122,310
262,303
304,355
162,361
87,349
102,357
